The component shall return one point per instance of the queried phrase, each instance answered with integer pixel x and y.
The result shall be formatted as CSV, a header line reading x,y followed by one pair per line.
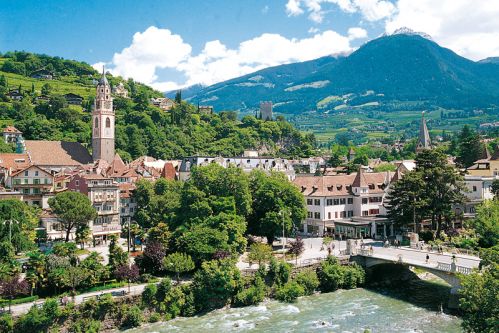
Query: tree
x,y
160,234
202,242
46,89
17,224
261,253
13,286
470,147
478,296
83,235
151,260
117,256
444,186
74,277
178,263
73,209
296,247
495,189
215,283
486,223
128,273
276,202
405,200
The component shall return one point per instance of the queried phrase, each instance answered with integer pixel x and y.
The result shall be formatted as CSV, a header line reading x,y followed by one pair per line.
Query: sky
x,y
173,44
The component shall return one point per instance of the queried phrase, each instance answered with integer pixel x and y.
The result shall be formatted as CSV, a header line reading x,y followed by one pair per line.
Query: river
x,y
342,311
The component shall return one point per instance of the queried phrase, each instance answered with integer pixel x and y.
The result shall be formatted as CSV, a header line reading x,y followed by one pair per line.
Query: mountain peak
x,y
410,32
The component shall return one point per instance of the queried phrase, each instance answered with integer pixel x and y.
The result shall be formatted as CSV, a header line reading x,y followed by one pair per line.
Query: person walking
x,y
427,258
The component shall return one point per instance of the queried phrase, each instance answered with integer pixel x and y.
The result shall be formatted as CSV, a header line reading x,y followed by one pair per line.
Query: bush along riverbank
x,y
218,283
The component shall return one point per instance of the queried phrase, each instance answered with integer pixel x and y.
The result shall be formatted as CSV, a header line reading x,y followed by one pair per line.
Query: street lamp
x,y
281,213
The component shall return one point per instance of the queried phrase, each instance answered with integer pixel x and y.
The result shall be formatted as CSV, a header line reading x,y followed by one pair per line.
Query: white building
x,y
347,205
246,163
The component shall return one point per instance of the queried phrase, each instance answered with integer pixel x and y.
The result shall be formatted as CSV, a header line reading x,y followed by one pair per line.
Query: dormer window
x,y
371,186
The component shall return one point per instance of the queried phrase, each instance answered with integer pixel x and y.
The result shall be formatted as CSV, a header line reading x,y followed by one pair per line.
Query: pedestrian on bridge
x,y
427,258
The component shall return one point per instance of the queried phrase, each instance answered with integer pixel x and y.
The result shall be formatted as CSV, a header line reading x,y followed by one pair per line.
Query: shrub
x,y
154,317
163,288
149,295
189,308
330,275
173,302
290,292
6,323
252,295
85,325
146,277
105,306
353,276
279,272
132,317
308,280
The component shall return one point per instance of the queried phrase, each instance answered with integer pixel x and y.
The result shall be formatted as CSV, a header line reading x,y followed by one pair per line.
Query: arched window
x,y
96,122
108,122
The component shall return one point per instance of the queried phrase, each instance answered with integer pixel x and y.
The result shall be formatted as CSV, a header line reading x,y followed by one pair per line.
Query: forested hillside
x,y
141,129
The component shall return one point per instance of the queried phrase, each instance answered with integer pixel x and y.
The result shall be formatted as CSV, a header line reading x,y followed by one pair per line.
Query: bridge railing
x,y
454,268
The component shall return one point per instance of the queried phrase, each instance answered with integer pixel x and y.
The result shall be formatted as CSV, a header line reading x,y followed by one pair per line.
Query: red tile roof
x,y
11,129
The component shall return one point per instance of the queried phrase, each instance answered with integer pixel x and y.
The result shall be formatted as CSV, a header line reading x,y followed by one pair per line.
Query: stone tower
x,y
424,141
266,110
103,122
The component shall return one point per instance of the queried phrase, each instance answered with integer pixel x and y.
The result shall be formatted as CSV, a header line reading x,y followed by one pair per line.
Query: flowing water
x,y
342,311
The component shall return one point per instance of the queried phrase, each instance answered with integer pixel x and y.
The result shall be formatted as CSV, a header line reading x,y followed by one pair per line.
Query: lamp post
x,y
281,213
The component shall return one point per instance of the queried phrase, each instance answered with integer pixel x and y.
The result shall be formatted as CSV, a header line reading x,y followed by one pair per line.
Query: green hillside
x,y
141,129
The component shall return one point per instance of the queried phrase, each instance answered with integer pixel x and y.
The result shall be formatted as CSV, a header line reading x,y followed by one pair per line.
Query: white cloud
x,y
371,10
265,9
468,27
156,49
313,30
357,33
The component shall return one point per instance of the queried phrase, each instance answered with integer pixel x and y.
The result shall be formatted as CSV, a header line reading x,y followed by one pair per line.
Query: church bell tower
x,y
103,122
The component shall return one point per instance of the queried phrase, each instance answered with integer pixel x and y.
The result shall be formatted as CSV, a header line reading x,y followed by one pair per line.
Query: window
x,y
36,203
96,123
25,190
336,201
309,215
26,173
25,181
46,181
350,201
335,215
36,181
474,188
329,215
364,201
317,215
309,201
365,213
317,202
342,201
36,173
343,214
350,213
373,211
329,202
17,181
77,182
36,191
108,122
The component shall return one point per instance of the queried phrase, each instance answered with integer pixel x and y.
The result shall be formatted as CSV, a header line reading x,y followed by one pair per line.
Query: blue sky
x,y
170,44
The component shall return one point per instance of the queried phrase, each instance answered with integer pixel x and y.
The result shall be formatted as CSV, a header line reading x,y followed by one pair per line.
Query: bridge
x,y
444,265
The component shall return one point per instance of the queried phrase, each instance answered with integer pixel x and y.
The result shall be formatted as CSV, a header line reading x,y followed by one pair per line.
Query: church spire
x,y
424,141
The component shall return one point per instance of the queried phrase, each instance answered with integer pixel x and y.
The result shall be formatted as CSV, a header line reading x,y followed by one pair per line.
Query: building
x,y
11,134
205,109
103,123
424,141
347,205
104,194
486,167
120,90
11,163
57,155
245,163
43,74
15,95
266,110
35,184
164,103
128,205
73,99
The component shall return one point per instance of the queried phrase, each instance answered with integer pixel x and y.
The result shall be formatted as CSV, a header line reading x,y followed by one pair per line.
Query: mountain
x,y
399,68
